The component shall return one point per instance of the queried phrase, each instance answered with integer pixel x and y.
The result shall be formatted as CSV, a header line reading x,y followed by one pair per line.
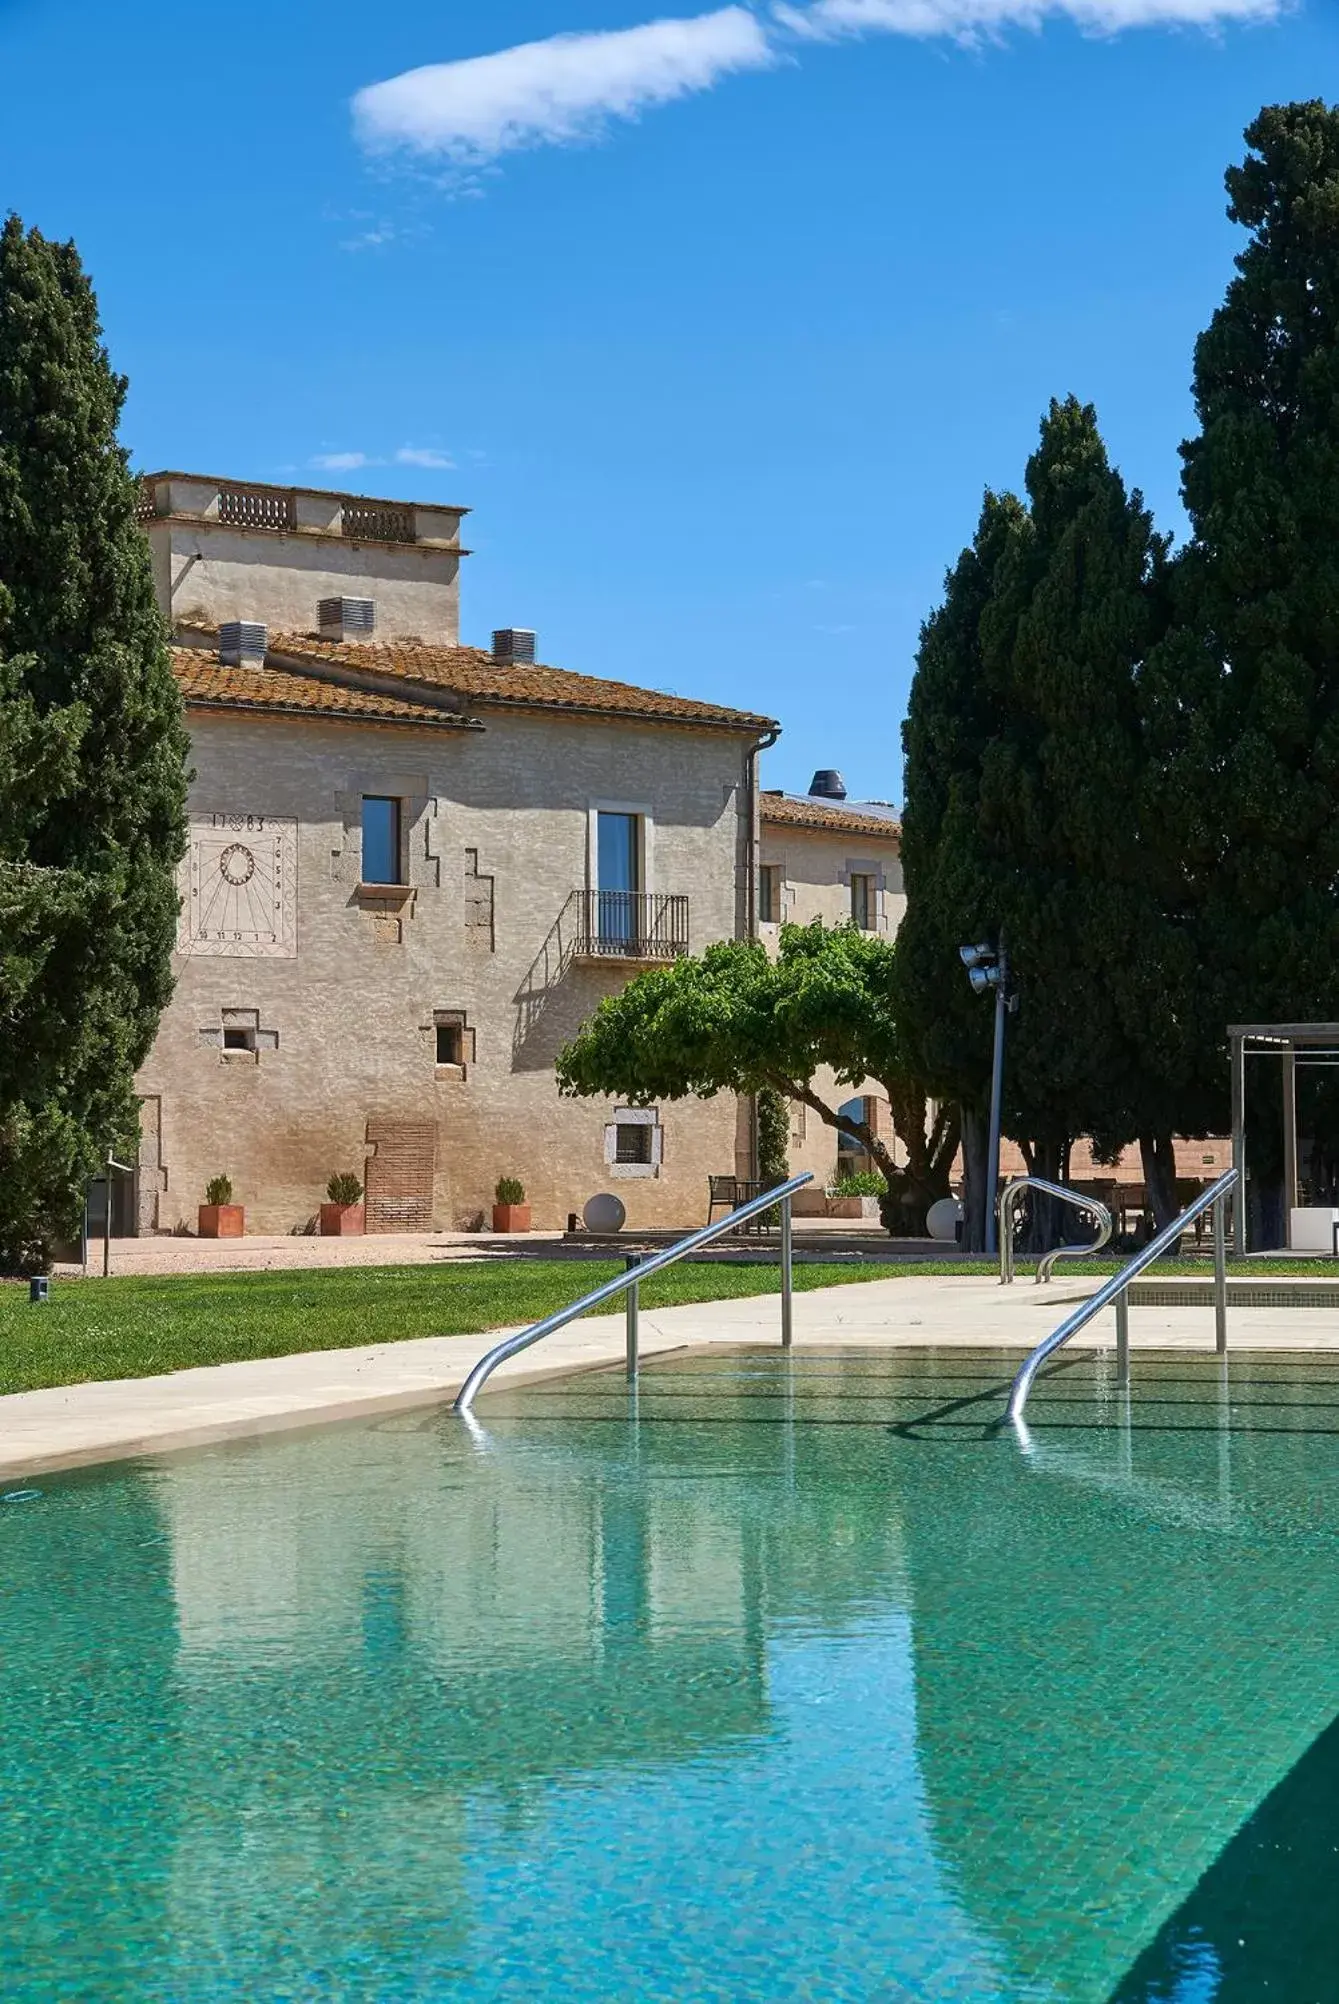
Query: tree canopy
x,y
92,755
733,1019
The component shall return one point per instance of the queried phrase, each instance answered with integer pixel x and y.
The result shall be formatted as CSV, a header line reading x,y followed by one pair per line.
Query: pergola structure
x,y
1318,1044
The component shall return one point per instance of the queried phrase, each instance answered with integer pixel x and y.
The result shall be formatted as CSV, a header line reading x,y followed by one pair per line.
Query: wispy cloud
x,y
341,462
971,19
557,91
424,455
569,88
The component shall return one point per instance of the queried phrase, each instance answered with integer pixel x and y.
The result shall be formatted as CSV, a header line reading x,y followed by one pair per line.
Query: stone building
x,y
824,857
414,868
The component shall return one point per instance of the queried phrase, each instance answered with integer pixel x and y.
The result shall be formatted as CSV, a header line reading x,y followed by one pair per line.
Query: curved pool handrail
x,y
1116,1289
1008,1205
629,1283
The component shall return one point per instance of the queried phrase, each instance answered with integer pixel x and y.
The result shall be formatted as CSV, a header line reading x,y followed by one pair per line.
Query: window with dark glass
x,y
769,894
618,864
863,903
450,1044
381,839
632,1144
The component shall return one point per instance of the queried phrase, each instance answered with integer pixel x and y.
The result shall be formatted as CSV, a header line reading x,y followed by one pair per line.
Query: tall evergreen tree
x,y
1243,700
92,755
953,891
1024,789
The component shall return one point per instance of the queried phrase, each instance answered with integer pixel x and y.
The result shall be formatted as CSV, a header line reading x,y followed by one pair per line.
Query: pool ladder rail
x,y
630,1284
1117,1289
1008,1205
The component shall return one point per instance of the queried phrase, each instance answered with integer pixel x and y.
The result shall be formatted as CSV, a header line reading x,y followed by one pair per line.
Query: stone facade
x,y
334,1023
817,852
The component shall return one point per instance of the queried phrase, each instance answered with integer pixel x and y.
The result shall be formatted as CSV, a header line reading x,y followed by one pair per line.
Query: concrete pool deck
x,y
77,1424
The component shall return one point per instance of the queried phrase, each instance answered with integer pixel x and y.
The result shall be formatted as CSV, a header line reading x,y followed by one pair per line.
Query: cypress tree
x,y
92,756
1244,698
949,872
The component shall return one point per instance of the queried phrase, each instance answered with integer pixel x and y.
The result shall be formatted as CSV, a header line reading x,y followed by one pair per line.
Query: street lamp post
x,y
988,968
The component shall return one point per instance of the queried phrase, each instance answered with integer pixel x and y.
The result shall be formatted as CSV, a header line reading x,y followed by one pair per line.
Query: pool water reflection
x,y
796,1680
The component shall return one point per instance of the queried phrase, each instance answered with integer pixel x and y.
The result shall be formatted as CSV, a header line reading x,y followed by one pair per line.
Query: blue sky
x,y
720,327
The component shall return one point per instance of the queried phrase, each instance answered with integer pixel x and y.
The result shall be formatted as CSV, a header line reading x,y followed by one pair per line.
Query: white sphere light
x,y
604,1214
942,1218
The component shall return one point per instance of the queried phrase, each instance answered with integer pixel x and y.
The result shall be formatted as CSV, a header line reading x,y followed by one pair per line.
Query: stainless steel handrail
x,y
1116,1289
630,1284
1007,1206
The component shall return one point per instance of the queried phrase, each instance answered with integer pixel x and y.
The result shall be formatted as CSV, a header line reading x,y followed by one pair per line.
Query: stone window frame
x,y
646,835
250,1041
634,1116
865,866
457,1071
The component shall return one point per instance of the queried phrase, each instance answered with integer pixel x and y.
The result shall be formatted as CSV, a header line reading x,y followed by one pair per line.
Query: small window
x,y
450,1044
798,1124
769,894
235,1038
632,1144
864,903
381,840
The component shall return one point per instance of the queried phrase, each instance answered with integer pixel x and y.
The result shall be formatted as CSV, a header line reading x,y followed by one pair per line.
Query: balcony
x,y
630,925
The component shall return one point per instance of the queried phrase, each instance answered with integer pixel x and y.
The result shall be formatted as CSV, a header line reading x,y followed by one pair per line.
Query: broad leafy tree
x,y
92,756
733,1020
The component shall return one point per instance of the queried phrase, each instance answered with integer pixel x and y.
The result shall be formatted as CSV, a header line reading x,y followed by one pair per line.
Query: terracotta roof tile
x,y
790,811
476,675
206,683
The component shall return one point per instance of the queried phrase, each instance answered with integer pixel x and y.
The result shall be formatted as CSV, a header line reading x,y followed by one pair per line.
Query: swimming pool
x,y
800,1682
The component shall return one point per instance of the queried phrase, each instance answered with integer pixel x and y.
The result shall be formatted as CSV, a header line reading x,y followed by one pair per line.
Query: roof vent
x,y
242,642
827,784
347,618
513,645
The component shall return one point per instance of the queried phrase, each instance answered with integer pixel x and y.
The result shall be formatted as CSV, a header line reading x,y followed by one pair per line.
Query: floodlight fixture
x,y
988,969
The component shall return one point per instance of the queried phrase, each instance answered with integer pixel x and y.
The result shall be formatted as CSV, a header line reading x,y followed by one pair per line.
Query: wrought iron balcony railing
x,y
631,925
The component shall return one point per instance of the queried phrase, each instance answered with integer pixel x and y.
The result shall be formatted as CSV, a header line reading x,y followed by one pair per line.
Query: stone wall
x,y
333,996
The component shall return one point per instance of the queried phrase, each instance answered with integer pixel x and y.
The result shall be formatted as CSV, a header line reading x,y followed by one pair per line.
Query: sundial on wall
x,y
240,889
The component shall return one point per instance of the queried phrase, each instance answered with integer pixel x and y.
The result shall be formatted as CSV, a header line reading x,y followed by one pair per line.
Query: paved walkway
x,y
103,1422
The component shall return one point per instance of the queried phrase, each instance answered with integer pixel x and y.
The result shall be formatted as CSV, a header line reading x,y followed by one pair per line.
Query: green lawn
x,y
131,1328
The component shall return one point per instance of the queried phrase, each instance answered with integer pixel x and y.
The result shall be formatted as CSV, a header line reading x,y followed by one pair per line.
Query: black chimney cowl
x,y
827,784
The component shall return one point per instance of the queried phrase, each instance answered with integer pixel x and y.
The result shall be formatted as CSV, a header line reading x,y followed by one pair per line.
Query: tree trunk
x,y
1158,1158
975,1136
1048,1219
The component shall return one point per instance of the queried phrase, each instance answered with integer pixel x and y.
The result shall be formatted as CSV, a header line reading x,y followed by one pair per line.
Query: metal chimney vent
x,y
827,784
242,641
347,618
513,645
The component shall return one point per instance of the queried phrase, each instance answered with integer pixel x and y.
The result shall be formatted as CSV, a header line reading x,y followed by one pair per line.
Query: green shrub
x,y
866,1184
344,1187
218,1190
509,1190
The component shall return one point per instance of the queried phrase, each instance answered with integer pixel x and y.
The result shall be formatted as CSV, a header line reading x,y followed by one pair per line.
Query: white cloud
x,y
424,455
964,19
557,91
567,89
341,462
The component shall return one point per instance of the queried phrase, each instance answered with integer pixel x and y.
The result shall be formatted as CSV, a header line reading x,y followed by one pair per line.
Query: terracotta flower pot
x,y
342,1221
511,1217
221,1221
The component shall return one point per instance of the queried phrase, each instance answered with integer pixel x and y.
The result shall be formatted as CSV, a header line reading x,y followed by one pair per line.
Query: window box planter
x,y
221,1221
511,1217
342,1221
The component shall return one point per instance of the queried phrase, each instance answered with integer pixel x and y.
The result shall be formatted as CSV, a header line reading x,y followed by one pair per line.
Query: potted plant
x,y
511,1213
219,1217
342,1217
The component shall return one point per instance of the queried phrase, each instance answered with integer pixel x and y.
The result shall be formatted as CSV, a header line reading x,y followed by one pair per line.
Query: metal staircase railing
x,y
1117,1289
630,1284
1008,1204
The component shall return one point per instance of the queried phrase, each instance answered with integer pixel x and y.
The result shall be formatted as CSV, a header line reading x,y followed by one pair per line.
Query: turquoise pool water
x,y
801,1682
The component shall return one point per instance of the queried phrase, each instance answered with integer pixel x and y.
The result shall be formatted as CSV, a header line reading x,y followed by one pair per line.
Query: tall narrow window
x,y
618,864
769,894
381,840
864,903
